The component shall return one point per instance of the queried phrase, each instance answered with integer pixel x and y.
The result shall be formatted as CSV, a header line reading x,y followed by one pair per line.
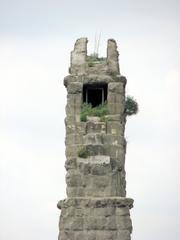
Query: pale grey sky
x,y
36,38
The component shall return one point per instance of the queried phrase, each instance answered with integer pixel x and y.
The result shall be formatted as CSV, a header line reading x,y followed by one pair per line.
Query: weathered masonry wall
x,y
96,206
93,218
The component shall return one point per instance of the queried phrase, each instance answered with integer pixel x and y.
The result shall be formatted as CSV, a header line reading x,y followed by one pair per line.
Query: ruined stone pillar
x,y
112,57
96,207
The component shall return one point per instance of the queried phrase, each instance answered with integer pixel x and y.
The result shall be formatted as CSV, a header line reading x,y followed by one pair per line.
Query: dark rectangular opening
x,y
95,93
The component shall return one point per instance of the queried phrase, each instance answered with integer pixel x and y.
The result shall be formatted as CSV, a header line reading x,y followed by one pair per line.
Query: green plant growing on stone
x,y
83,153
98,111
131,106
105,118
94,59
90,64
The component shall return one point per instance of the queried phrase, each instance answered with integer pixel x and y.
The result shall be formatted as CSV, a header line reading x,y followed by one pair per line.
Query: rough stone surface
x,y
96,206
99,218
78,57
112,57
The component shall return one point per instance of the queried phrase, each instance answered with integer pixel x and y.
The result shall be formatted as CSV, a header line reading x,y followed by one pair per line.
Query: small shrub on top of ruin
x,y
131,106
98,111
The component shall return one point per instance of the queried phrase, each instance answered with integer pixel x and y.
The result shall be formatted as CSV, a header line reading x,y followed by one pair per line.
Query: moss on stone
x,y
83,153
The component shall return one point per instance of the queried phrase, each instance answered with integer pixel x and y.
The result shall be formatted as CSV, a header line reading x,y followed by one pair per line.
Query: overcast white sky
x,y
36,38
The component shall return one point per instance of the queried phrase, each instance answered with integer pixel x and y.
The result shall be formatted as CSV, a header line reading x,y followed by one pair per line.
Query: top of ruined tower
x,y
91,66
81,63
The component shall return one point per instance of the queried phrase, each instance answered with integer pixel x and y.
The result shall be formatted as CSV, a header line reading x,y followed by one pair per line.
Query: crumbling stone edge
x,y
96,202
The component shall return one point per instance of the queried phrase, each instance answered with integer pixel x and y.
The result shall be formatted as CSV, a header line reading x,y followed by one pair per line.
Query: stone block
x,y
93,138
114,151
78,57
120,78
80,192
73,179
87,181
99,159
118,186
72,139
75,191
81,127
70,78
115,108
104,211
124,211
116,164
75,223
115,128
69,212
72,110
96,127
71,119
84,168
111,223
107,235
74,99
96,191
112,57
89,223
71,191
74,127
66,235
98,169
73,106
72,151
114,117
113,139
109,211
70,127
116,87
78,235
91,235
125,235
100,182
115,98
79,212
74,88
70,163
124,223
94,223
85,235
94,150
99,223
93,119
115,184
61,223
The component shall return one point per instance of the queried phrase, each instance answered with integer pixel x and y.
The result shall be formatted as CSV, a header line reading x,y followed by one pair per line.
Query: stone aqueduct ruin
x,y
96,206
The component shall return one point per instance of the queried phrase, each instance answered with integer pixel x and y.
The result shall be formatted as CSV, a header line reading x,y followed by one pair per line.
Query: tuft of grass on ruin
x,y
83,153
95,59
98,111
